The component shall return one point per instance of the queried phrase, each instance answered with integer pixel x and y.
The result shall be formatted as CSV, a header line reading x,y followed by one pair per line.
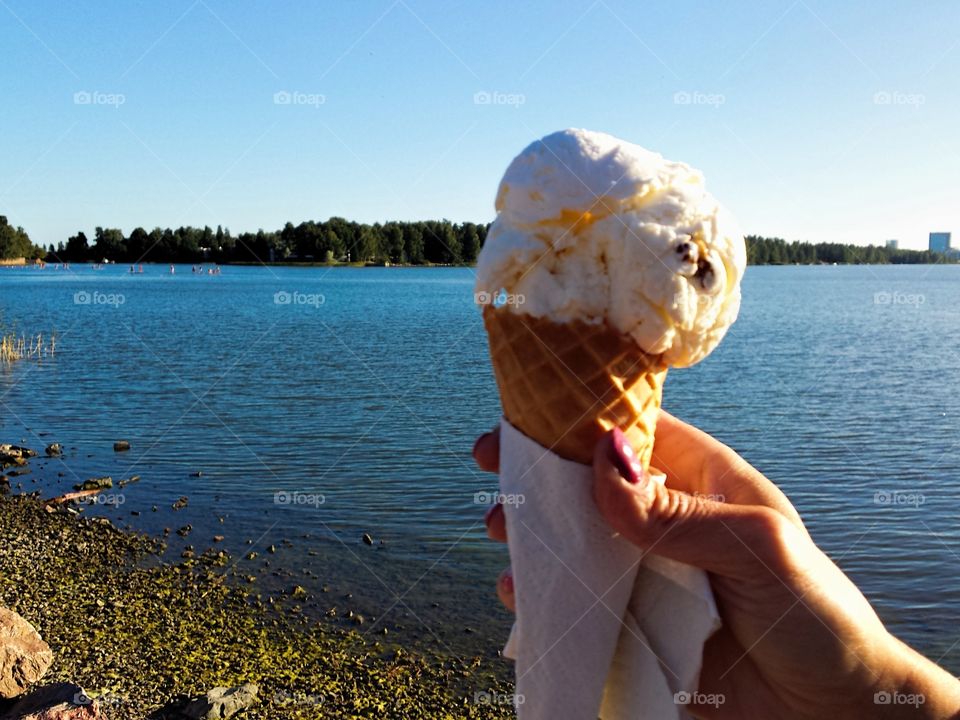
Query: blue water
x,y
369,386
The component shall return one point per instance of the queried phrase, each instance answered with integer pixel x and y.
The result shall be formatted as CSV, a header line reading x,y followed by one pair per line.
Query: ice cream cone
x,y
565,384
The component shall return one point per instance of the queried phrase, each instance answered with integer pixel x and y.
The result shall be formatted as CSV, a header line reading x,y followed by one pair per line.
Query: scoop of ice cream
x,y
593,228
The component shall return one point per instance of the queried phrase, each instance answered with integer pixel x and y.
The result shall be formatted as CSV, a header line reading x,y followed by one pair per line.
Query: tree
x,y
413,242
77,249
109,245
469,242
393,243
15,243
138,245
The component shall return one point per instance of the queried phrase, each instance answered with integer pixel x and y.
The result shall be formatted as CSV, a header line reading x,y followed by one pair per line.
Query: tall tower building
x,y
939,242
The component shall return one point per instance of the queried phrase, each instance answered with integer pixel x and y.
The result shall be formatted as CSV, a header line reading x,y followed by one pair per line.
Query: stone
x,y
99,483
221,702
15,454
59,701
367,540
54,450
121,445
24,656
180,502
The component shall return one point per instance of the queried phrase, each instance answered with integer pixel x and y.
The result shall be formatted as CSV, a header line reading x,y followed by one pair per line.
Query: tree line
x,y
438,242
777,251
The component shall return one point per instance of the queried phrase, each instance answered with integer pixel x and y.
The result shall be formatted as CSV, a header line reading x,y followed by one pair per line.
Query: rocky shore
x,y
121,634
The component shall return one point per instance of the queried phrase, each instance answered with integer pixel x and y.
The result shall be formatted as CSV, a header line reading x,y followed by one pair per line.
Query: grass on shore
x,y
139,633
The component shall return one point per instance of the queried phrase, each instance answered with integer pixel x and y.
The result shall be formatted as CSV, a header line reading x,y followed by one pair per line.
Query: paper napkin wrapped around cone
x,y
603,630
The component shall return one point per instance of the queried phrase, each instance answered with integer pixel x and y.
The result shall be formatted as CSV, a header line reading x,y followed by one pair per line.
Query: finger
x,y
736,541
496,523
699,464
505,590
486,451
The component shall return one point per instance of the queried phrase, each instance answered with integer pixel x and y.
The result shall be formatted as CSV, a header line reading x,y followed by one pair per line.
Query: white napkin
x,y
602,630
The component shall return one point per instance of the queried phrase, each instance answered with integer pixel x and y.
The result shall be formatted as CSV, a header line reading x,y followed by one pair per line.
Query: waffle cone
x,y
565,384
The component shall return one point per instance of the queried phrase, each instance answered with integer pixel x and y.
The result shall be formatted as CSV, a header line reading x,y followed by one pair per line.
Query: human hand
x,y
798,639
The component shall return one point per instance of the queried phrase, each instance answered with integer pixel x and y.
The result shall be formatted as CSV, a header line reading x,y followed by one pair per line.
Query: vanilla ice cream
x,y
593,228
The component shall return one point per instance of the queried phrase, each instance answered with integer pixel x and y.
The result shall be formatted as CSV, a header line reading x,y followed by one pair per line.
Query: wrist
x,y
908,686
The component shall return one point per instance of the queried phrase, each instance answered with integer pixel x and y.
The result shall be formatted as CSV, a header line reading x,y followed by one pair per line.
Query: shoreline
x,y
137,632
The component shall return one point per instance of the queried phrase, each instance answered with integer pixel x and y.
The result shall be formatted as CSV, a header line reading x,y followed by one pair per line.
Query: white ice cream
x,y
593,228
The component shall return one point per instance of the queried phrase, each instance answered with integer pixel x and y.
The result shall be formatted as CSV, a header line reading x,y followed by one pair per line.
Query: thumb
x,y
730,540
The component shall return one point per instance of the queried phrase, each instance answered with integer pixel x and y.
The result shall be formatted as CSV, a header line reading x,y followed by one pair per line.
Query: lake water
x,y
360,396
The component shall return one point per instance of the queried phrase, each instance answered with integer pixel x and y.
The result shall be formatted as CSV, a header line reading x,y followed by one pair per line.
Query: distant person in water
x,y
172,270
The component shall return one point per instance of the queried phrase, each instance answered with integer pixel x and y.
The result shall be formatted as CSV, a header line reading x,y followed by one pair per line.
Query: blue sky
x,y
811,120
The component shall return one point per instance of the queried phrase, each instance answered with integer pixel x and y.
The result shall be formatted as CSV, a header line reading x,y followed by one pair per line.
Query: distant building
x,y
893,244
939,242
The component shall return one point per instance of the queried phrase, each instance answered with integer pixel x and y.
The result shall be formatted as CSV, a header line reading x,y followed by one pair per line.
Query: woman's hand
x,y
798,639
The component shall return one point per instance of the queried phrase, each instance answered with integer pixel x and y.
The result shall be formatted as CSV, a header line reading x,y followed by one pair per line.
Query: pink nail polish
x,y
625,459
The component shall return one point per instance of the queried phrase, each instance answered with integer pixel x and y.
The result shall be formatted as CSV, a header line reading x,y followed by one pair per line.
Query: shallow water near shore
x,y
322,404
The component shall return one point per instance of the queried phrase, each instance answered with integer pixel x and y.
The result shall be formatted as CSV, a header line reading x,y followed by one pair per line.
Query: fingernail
x,y
625,459
508,582
477,442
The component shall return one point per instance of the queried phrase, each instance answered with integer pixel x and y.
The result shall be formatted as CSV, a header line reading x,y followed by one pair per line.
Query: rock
x,y
24,656
198,473
60,701
367,539
180,502
100,483
185,530
131,479
54,450
218,538
121,445
15,454
272,549
221,702
17,472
